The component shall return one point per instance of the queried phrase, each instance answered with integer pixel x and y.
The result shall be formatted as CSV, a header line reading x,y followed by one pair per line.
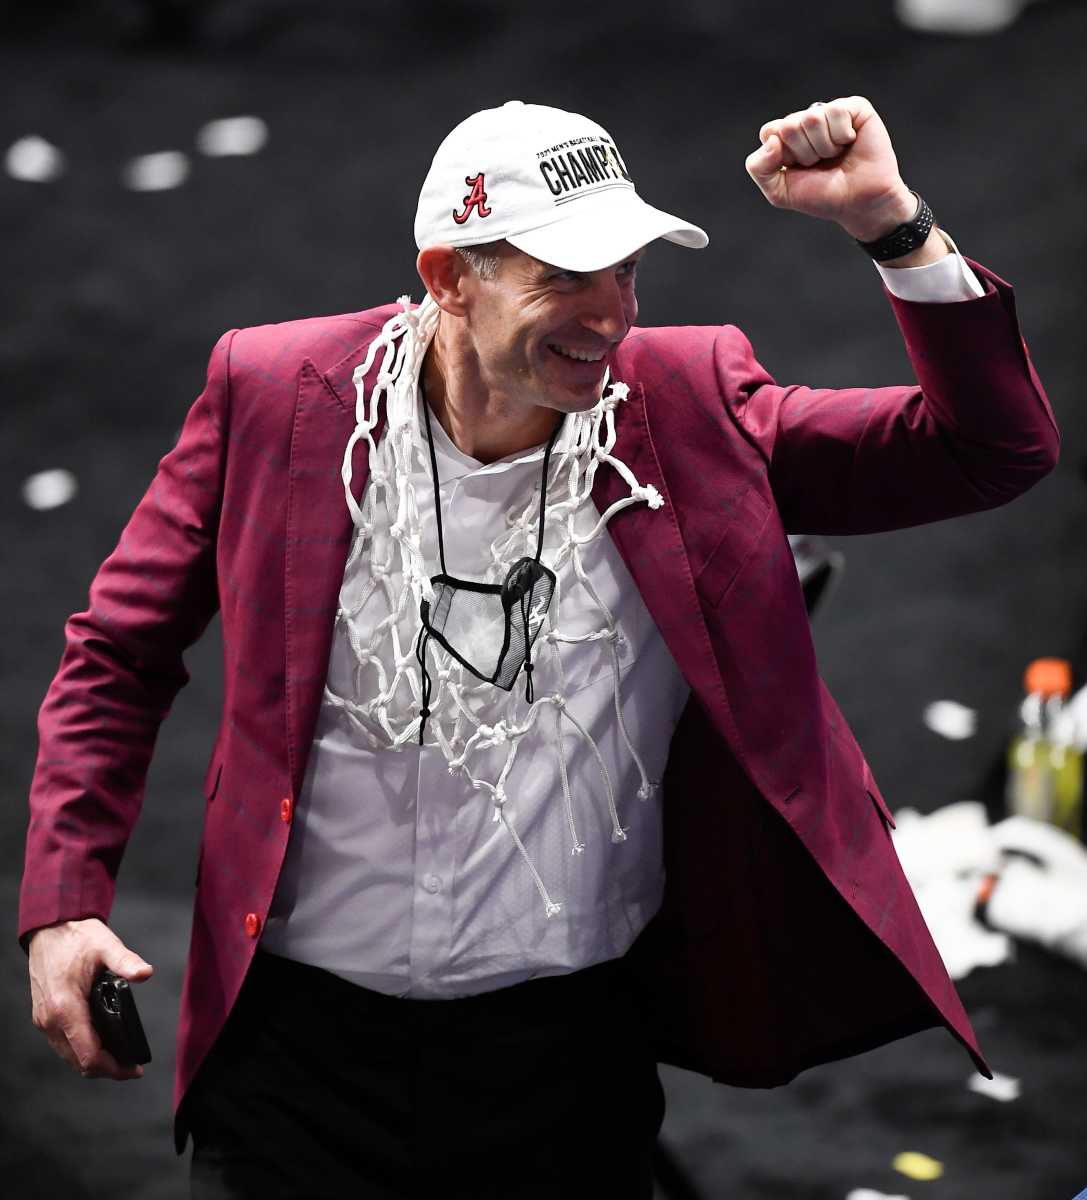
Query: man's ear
x,y
445,276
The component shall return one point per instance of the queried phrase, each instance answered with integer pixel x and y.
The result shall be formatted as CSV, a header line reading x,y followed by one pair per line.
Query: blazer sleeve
x,y
977,431
121,669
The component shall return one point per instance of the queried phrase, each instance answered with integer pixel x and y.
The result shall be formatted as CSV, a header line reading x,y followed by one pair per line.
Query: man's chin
x,y
576,401
580,395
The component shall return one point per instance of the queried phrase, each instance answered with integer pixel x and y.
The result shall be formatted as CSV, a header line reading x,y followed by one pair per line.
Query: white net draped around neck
x,y
467,716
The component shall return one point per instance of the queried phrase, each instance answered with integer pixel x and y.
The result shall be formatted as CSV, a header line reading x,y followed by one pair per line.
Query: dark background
x,y
115,298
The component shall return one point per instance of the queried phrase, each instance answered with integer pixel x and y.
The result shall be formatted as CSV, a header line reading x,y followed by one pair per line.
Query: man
x,y
526,778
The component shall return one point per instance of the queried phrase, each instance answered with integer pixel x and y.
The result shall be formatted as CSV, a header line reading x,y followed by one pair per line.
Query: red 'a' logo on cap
x,y
476,198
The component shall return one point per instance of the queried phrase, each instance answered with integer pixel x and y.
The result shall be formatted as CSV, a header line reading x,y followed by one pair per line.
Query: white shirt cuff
x,y
948,279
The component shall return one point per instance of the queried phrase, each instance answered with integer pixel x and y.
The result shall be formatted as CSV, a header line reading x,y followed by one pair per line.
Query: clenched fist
x,y
834,161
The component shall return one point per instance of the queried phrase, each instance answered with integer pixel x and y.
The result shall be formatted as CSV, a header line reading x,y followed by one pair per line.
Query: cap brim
x,y
604,230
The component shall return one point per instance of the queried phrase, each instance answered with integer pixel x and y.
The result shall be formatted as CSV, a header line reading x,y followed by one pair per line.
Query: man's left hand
x,y
839,165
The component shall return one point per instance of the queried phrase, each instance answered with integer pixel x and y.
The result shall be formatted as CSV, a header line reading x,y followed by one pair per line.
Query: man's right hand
x,y
64,961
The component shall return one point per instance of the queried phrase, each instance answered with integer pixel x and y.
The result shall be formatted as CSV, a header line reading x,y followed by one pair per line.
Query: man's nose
x,y
610,308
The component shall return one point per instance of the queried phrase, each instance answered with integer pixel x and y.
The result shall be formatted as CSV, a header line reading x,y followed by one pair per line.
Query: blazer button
x,y
252,924
286,808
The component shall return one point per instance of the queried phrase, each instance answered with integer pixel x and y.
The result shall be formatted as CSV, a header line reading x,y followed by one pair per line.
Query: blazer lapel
x,y
319,533
650,544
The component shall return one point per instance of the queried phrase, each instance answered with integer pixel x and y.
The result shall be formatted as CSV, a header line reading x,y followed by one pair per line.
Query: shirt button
x,y
432,883
252,924
286,808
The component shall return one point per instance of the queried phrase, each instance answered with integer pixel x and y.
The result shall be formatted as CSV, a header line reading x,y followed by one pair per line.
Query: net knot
x,y
620,391
553,909
649,494
619,835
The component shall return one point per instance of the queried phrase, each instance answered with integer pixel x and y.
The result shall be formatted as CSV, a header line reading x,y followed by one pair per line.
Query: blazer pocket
x,y
874,793
748,512
881,804
211,777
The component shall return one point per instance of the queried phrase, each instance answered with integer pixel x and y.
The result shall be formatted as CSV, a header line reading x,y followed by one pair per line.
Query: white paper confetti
x,y
49,489
951,720
871,1194
1000,1087
958,17
232,135
33,160
156,172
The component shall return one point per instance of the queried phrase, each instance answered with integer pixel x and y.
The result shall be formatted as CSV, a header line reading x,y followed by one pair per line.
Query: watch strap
x,y
904,239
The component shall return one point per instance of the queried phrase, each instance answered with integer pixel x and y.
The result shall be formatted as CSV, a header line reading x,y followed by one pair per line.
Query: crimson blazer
x,y
788,934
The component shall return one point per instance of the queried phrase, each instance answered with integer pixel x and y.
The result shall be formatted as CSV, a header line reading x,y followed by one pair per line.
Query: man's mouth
x,y
586,356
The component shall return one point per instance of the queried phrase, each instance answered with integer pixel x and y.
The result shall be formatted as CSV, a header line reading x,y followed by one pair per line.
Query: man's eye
x,y
566,276
628,268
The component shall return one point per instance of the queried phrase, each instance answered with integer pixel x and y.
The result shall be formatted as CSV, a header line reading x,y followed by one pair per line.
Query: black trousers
x,y
319,1088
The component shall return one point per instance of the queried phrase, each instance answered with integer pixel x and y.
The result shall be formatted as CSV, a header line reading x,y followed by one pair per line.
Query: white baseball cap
x,y
549,182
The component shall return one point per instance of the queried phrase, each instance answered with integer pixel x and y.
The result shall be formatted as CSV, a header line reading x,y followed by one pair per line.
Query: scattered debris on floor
x,y
1000,1087
915,1165
49,489
951,720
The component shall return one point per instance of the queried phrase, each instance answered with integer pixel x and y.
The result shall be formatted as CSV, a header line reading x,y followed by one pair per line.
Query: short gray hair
x,y
485,265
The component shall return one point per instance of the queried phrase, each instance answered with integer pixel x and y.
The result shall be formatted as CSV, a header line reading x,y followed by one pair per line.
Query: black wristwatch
x,y
907,237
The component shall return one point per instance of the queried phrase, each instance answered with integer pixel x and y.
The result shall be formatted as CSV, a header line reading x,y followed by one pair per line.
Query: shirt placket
x,y
435,869
477,492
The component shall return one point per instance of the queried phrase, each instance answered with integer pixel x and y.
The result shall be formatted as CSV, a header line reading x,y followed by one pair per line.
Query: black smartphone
x,y
114,1016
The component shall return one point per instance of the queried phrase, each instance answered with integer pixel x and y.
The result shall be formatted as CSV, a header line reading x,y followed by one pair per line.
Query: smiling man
x,y
526,779
531,343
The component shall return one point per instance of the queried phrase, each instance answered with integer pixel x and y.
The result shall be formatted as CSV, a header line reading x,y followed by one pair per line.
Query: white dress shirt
x,y
396,876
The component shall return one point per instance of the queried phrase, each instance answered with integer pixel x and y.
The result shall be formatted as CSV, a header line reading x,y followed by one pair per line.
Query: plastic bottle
x,y
1066,760
1045,767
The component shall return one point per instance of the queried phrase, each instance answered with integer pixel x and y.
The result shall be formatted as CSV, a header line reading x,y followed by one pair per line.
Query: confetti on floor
x,y
1000,1087
156,172
917,1166
33,160
49,489
871,1194
951,720
232,135
956,18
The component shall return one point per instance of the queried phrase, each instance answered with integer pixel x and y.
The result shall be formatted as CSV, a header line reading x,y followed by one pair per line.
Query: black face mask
x,y
487,627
